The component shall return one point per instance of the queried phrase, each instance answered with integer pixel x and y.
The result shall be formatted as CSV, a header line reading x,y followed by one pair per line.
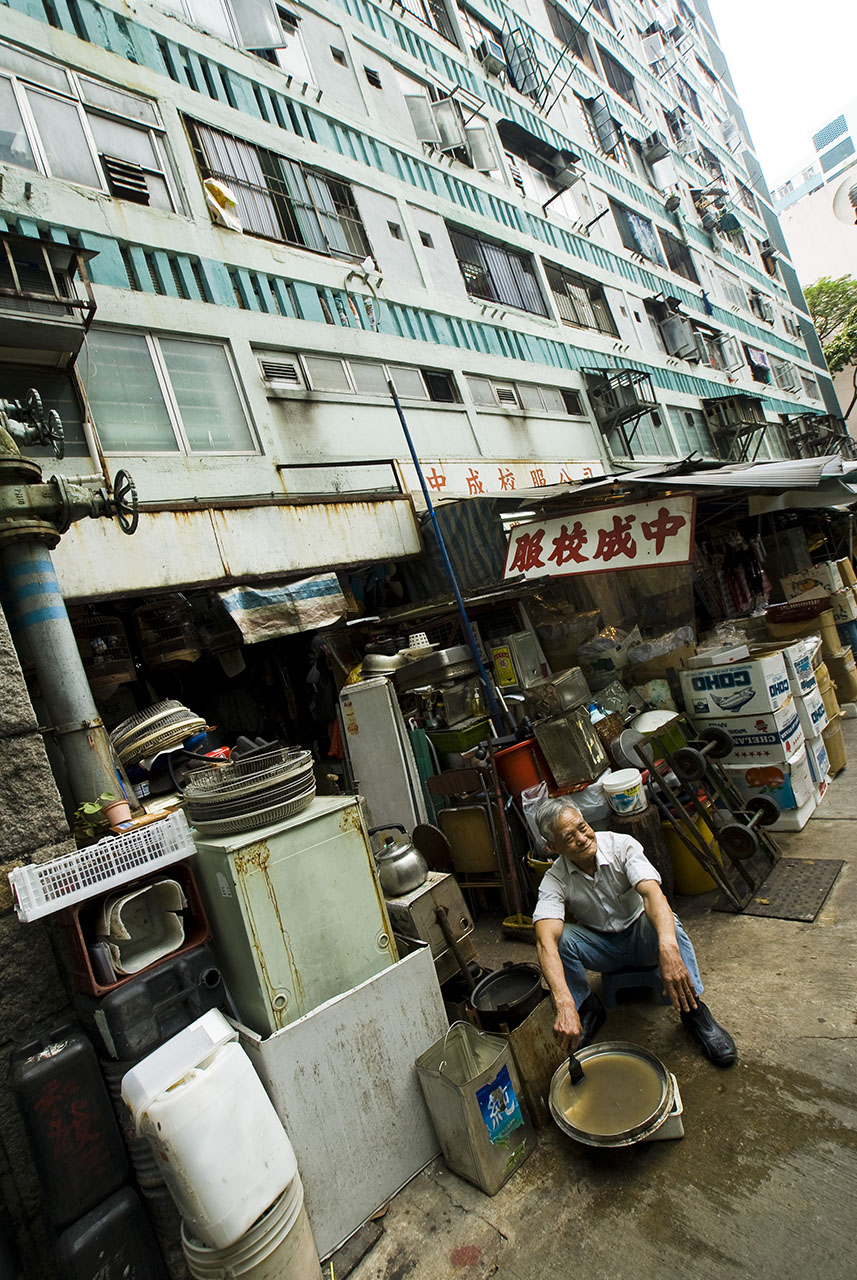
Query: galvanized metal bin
x,y
476,1103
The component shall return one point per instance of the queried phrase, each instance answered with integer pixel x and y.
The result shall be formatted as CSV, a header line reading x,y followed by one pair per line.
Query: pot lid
x,y
393,848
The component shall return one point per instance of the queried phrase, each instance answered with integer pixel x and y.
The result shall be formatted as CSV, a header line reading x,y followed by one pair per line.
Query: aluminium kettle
x,y
401,866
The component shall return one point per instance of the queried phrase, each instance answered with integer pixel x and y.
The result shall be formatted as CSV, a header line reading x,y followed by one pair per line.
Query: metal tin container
x,y
556,694
572,748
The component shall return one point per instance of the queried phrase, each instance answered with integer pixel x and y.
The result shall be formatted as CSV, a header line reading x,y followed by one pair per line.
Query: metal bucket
x,y
507,997
625,1096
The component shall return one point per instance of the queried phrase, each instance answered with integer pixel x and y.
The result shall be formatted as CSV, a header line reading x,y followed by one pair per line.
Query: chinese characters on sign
x,y
466,479
637,536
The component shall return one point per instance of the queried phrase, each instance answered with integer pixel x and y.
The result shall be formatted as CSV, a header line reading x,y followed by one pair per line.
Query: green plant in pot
x,y
94,818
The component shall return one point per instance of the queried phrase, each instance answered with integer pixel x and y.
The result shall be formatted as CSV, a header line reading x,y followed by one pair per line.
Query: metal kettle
x,y
401,866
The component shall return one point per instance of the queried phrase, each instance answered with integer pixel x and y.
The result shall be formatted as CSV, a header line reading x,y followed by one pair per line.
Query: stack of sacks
x,y
752,698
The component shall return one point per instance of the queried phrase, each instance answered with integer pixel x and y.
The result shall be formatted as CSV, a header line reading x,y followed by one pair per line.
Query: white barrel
x,y
219,1143
624,791
280,1246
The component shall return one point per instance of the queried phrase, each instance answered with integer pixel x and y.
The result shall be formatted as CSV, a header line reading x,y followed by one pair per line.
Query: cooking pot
x,y
508,996
624,1096
401,866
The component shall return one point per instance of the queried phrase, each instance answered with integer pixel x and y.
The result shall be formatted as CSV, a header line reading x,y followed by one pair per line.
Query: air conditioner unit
x,y
492,57
679,337
565,175
655,147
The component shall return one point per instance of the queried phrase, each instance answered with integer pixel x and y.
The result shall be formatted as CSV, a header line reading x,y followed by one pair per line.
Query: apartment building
x,y
226,225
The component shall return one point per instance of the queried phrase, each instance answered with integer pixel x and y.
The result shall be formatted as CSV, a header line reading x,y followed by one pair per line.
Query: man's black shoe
x,y
716,1043
592,1015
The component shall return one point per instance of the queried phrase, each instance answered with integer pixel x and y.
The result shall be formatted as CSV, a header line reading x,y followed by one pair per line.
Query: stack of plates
x,y
244,794
157,728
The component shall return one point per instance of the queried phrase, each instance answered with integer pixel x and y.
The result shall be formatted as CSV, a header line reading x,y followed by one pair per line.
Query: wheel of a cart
x,y
737,841
718,741
689,764
767,809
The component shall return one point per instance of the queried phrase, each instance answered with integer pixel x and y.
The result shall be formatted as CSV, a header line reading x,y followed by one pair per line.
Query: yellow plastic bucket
x,y
689,877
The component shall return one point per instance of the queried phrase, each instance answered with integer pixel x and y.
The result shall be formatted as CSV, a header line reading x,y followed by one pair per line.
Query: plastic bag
x,y
531,799
646,650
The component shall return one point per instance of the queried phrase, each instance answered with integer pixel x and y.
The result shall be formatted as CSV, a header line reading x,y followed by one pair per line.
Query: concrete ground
x,y
764,1182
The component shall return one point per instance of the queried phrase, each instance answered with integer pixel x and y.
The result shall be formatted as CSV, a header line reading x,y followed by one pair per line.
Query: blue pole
x,y
496,714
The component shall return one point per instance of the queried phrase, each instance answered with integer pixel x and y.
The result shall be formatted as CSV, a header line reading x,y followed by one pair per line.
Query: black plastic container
x,y
113,1242
505,998
142,1013
76,1142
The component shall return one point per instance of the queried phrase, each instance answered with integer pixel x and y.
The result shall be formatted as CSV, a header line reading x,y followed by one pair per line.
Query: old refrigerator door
x,y
379,753
297,911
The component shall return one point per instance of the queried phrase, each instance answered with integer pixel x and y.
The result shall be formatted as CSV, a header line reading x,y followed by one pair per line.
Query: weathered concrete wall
x,y
33,829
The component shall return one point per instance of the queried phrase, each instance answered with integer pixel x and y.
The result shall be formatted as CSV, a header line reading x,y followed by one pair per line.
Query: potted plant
x,y
93,818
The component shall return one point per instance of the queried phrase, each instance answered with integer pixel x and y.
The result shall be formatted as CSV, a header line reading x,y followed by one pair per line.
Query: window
x,y
733,291
71,126
338,55
745,195
618,78
289,52
374,77
570,34
433,13
604,131
602,7
679,257
691,433
163,395
287,370
581,302
637,233
281,199
491,394
426,240
57,390
688,95
395,230
497,274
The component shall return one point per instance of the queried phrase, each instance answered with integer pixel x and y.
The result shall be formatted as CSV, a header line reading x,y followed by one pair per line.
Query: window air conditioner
x,y
565,175
679,337
492,57
655,147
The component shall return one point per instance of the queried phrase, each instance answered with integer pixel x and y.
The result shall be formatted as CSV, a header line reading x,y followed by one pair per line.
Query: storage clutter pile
x,y
199,1175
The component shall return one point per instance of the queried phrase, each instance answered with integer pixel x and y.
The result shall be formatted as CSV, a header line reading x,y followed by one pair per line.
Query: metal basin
x,y
625,1096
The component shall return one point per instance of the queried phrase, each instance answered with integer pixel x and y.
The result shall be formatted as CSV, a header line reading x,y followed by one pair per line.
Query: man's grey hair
x,y
549,813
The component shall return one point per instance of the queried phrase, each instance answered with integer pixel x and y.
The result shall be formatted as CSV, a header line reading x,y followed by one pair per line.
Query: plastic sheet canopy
x,y
263,613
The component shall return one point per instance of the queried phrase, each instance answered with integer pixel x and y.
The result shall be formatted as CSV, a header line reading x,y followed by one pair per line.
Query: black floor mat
x,y
795,889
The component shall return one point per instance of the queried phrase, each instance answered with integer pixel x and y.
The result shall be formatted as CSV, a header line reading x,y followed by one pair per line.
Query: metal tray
x,y
446,664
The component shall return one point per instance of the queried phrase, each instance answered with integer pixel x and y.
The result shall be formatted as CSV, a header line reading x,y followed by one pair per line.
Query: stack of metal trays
x,y
437,668
156,728
244,794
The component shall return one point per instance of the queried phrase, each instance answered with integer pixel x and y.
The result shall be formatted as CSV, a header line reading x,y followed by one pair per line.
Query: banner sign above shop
x,y
480,476
637,535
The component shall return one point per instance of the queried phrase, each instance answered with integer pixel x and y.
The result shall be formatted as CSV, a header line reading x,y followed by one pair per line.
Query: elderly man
x,y
622,919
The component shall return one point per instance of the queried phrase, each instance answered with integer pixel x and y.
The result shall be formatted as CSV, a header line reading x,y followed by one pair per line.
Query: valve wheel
x,y
33,404
125,504
55,435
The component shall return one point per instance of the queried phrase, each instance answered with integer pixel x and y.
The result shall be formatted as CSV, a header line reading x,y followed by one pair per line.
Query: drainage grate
x,y
795,890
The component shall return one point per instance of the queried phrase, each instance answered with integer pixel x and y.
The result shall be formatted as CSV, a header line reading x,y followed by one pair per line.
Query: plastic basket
x,y
40,890
461,739
797,610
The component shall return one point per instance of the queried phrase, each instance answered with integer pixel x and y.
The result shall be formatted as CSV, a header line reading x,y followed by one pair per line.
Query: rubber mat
x,y
795,889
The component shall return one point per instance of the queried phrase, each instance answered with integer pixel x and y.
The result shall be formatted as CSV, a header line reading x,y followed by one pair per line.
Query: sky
x,y
794,63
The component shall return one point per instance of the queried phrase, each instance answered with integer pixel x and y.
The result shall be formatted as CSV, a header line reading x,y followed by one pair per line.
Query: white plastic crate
x,y
40,890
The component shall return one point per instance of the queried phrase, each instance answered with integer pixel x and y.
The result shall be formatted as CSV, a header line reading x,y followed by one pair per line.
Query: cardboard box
x,y
824,625
769,736
817,759
795,819
798,658
844,605
822,579
846,572
789,782
835,746
812,713
760,684
843,673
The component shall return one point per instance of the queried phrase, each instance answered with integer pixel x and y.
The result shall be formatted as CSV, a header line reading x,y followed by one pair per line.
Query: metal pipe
x,y
493,707
41,616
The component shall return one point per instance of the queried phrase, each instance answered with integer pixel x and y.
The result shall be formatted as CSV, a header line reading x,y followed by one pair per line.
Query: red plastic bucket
x,y
522,766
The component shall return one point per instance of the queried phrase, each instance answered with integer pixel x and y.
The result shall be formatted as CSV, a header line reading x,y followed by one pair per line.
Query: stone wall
x,y
34,988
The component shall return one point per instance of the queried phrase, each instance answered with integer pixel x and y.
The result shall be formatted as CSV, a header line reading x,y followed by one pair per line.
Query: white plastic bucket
x,y
624,791
279,1246
217,1140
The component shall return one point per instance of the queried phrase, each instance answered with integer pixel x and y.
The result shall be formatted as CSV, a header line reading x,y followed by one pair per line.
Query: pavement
x,y
764,1181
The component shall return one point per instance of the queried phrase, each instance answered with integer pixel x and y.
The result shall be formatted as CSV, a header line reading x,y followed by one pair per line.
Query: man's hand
x,y
567,1027
676,979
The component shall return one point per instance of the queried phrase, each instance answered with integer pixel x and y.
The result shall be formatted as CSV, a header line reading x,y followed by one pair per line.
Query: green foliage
x,y
831,303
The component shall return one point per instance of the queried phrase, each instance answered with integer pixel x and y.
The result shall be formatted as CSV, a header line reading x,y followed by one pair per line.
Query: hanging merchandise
x,y
166,631
104,652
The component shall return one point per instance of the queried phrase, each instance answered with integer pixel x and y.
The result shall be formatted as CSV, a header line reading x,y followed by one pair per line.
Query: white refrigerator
x,y
380,760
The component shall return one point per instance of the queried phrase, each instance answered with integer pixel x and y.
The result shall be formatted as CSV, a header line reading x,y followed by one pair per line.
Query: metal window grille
x,y
433,14
679,256
497,274
580,302
618,78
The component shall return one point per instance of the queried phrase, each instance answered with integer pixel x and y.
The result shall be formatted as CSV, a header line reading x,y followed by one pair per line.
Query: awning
x,y
262,613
